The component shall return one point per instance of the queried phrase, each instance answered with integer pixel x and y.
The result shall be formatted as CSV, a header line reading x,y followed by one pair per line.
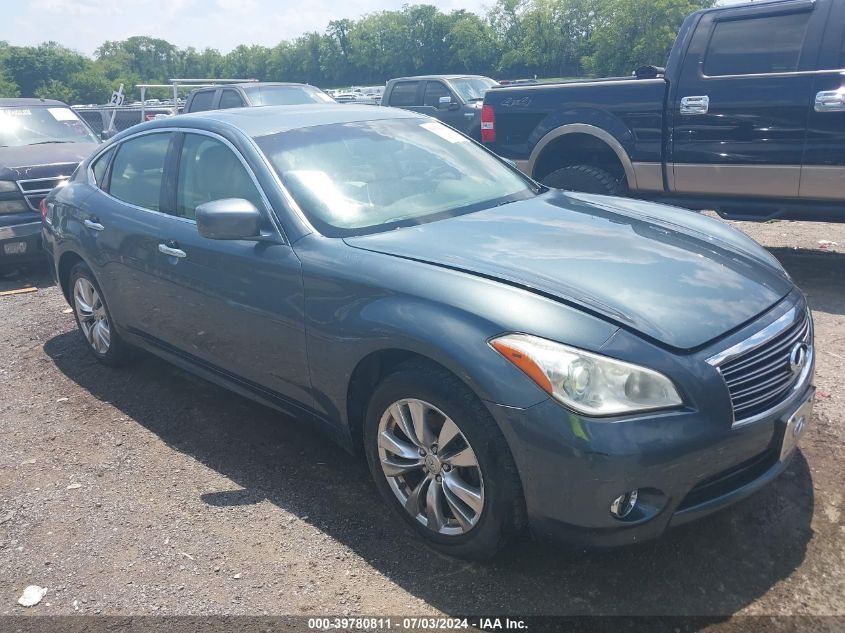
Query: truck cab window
x,y
404,94
230,99
764,45
202,101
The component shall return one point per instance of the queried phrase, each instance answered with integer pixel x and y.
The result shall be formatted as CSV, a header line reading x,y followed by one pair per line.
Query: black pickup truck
x,y
747,117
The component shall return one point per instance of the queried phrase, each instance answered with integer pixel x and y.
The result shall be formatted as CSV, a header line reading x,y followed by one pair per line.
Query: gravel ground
x,y
147,491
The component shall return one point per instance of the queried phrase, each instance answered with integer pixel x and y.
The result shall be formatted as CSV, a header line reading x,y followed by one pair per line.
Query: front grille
x,y
761,377
36,189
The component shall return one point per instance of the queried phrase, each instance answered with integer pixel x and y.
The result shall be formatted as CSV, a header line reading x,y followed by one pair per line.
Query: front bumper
x,y
26,232
684,465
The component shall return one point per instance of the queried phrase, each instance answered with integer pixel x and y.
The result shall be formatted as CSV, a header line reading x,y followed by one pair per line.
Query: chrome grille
x,y
761,377
35,190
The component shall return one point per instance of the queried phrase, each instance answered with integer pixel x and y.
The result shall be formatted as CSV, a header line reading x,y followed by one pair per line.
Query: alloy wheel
x,y
93,320
430,467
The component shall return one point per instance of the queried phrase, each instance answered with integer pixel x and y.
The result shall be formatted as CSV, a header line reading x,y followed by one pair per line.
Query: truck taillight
x,y
488,124
43,207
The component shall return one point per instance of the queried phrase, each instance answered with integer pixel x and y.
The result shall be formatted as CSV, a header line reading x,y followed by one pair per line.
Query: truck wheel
x,y
587,179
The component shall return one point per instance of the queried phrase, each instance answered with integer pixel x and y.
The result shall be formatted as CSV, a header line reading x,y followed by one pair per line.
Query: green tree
x,y
632,33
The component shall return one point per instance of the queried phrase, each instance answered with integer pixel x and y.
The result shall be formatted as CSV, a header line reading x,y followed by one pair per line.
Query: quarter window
x,y
209,170
770,44
230,99
99,168
404,94
138,170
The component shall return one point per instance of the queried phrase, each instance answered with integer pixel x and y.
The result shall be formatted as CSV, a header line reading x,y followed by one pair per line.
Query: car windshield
x,y
370,176
472,88
42,124
287,95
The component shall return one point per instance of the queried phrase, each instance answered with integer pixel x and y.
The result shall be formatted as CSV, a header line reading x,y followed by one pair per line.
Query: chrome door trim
x,y
794,73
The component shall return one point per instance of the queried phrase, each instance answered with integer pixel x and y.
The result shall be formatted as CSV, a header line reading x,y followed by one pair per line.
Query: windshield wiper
x,y
48,142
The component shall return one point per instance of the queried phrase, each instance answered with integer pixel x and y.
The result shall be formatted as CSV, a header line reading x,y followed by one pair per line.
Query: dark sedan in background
x,y
41,143
597,368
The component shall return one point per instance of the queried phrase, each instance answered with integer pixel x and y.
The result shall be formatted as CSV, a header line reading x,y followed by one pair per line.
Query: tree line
x,y
515,38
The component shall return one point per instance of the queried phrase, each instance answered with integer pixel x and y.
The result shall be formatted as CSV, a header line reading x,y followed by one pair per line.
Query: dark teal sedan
x,y
506,356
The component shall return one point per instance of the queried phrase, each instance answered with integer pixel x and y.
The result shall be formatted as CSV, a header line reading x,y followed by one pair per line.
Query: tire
x,y
500,516
94,319
587,179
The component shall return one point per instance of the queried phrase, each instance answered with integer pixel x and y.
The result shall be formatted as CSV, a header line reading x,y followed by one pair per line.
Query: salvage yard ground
x,y
148,491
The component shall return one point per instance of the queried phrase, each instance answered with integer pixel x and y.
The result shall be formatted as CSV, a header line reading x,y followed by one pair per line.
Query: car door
x,y
451,115
232,306
740,107
120,223
823,168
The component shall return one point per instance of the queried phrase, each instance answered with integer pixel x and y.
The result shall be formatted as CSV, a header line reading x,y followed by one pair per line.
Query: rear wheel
x,y
93,318
587,179
441,463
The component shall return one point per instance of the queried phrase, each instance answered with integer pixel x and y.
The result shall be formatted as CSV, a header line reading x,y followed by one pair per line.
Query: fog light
x,y
624,504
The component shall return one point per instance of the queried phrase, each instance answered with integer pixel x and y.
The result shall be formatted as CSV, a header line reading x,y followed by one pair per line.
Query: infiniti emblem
x,y
798,357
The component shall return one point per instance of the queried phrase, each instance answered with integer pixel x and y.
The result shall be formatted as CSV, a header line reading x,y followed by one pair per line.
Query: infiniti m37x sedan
x,y
594,368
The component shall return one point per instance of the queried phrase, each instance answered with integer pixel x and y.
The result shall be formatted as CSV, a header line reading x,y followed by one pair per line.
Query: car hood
x,y
41,161
673,276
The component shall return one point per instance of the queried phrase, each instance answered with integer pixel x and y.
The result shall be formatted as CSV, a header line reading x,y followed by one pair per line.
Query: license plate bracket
x,y
796,424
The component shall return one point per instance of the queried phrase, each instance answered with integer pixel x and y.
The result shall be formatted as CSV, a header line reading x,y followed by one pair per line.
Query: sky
x,y
222,24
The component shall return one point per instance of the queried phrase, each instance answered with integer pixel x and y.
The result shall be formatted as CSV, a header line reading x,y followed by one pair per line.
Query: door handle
x,y
93,224
830,101
695,105
171,250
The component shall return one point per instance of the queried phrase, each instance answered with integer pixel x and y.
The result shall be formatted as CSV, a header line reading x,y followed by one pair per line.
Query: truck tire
x,y
587,179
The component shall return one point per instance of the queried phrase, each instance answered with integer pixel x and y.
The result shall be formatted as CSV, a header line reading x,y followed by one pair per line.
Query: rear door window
x,y
404,94
202,101
433,91
137,172
763,45
230,99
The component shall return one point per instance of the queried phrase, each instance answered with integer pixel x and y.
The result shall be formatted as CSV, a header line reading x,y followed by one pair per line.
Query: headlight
x,y
7,186
588,383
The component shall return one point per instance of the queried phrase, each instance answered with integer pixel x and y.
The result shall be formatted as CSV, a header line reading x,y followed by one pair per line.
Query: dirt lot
x,y
147,491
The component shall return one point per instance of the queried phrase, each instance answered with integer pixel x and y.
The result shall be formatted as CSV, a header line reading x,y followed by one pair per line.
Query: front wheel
x,y
442,464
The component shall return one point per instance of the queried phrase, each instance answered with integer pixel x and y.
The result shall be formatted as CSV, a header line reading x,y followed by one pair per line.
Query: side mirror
x,y
107,134
228,219
444,103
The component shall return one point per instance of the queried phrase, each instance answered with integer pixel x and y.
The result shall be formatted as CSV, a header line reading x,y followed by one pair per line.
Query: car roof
x,y
746,5
29,102
254,84
416,77
266,120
